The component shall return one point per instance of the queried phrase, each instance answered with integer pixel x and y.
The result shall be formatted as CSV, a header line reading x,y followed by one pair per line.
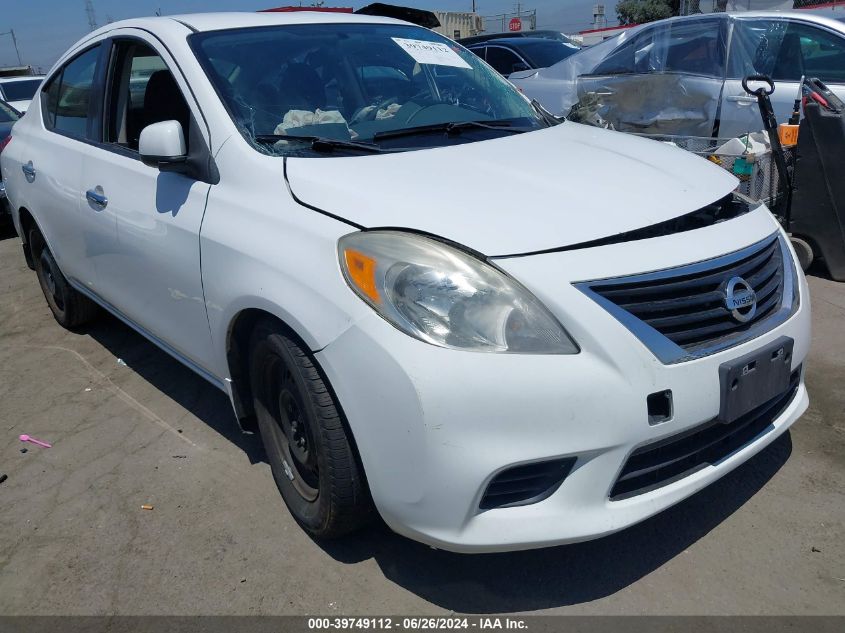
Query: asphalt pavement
x,y
131,427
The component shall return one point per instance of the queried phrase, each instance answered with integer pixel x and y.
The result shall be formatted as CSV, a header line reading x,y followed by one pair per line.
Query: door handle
x,y
742,99
96,198
28,171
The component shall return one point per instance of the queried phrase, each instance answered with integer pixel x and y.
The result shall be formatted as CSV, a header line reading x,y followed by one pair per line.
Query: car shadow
x,y
7,229
174,380
565,575
481,583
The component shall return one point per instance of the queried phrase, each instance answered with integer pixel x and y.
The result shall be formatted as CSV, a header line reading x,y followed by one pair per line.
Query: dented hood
x,y
516,194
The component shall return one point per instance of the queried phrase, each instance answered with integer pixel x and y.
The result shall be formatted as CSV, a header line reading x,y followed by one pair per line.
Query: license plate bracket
x,y
754,379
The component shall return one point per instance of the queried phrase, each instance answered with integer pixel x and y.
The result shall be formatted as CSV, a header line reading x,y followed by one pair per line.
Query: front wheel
x,y
309,450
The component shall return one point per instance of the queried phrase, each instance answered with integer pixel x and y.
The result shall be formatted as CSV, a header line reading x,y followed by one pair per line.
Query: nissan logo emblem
x,y
740,299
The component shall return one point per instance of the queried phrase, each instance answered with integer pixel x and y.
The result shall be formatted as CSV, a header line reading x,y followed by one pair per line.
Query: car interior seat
x,y
163,101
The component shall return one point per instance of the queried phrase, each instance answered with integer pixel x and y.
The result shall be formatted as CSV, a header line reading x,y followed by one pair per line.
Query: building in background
x,y
457,24
594,36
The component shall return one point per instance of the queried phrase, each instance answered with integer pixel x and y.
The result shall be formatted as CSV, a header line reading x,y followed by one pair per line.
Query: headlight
x,y
446,297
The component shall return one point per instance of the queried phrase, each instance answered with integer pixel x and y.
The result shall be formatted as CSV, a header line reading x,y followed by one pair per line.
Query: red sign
x,y
515,24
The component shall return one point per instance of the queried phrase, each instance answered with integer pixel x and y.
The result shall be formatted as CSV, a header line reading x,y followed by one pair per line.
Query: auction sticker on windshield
x,y
431,53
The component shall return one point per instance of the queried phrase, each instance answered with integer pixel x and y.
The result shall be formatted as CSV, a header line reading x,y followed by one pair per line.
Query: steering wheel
x,y
372,110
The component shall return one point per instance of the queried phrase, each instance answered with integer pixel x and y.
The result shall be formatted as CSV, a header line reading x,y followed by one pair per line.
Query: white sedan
x,y
19,91
299,208
684,75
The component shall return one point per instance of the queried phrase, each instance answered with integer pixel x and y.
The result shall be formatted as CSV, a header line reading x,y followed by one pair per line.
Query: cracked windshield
x,y
358,88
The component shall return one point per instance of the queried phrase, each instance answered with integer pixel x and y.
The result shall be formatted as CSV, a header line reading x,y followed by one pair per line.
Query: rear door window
x,y
68,95
787,50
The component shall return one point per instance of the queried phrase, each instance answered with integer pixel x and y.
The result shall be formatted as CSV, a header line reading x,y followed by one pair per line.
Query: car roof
x,y
824,19
4,80
202,22
517,41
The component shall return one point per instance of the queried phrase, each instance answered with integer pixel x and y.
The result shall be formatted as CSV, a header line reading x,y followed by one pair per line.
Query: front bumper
x,y
434,426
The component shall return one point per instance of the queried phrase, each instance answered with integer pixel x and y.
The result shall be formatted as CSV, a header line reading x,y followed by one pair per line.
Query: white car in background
x,y
18,91
297,207
684,75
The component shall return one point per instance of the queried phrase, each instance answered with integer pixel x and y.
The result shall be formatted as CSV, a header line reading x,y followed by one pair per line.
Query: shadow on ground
x,y
566,575
489,583
7,229
174,380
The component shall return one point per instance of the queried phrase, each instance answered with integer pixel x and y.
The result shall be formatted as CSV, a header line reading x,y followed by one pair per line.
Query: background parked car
x,y
509,55
683,75
487,37
18,91
8,116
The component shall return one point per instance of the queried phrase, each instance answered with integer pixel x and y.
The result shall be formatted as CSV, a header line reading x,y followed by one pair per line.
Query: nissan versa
x,y
433,300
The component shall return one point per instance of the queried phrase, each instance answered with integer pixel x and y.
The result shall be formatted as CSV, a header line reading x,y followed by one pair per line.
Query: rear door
x,y
153,273
784,50
52,159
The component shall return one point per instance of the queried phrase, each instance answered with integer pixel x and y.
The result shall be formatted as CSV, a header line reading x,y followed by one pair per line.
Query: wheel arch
x,y
27,222
238,338
238,335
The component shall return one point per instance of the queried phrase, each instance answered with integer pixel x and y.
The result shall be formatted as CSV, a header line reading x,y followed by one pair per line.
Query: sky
x,y
46,28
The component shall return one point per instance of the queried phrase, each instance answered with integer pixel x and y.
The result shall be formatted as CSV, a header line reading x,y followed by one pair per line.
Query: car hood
x,y
517,194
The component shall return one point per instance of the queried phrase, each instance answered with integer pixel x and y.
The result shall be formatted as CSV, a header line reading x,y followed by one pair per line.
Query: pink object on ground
x,y
32,440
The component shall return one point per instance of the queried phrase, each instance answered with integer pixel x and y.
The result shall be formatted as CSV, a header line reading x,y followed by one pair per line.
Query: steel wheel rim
x,y
49,274
293,434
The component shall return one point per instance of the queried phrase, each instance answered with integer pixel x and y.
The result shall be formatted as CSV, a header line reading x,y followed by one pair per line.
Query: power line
x,y
92,18
15,42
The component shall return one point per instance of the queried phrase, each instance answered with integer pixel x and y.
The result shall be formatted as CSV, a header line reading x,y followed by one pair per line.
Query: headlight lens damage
x,y
446,297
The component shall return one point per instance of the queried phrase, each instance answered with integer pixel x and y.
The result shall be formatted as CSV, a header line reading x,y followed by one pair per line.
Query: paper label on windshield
x,y
431,53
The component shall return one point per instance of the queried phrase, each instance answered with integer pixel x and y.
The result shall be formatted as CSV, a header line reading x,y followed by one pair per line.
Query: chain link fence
x,y
508,22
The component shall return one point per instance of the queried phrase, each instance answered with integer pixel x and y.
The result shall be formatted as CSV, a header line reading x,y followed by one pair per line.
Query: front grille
x,y
687,305
668,460
528,483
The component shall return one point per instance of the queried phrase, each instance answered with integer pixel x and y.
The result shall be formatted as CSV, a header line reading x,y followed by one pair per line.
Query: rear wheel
x,y
309,449
70,308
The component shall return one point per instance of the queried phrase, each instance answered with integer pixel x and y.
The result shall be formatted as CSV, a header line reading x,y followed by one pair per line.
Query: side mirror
x,y
162,145
520,66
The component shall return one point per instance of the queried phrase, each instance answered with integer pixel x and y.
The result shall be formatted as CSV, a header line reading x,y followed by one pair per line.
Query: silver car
x,y
684,75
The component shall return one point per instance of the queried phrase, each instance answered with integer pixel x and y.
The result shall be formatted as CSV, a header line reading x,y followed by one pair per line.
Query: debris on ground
x,y
24,450
146,506
121,362
3,478
26,438
815,549
179,456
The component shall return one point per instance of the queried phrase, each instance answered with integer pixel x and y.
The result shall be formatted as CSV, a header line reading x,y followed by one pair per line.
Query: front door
x,y
153,274
784,50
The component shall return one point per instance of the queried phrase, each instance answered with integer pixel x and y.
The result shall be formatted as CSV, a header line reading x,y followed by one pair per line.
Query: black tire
x,y
804,251
70,308
309,449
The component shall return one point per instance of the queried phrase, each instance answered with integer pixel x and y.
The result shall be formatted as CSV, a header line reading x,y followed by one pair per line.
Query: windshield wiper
x,y
320,143
453,127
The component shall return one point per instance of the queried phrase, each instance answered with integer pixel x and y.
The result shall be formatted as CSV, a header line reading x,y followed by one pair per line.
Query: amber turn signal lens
x,y
362,272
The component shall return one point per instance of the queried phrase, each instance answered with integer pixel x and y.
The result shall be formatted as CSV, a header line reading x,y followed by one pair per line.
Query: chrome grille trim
x,y
671,352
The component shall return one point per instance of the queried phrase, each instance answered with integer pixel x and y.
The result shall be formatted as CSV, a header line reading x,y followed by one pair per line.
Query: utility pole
x,y
15,42
92,19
